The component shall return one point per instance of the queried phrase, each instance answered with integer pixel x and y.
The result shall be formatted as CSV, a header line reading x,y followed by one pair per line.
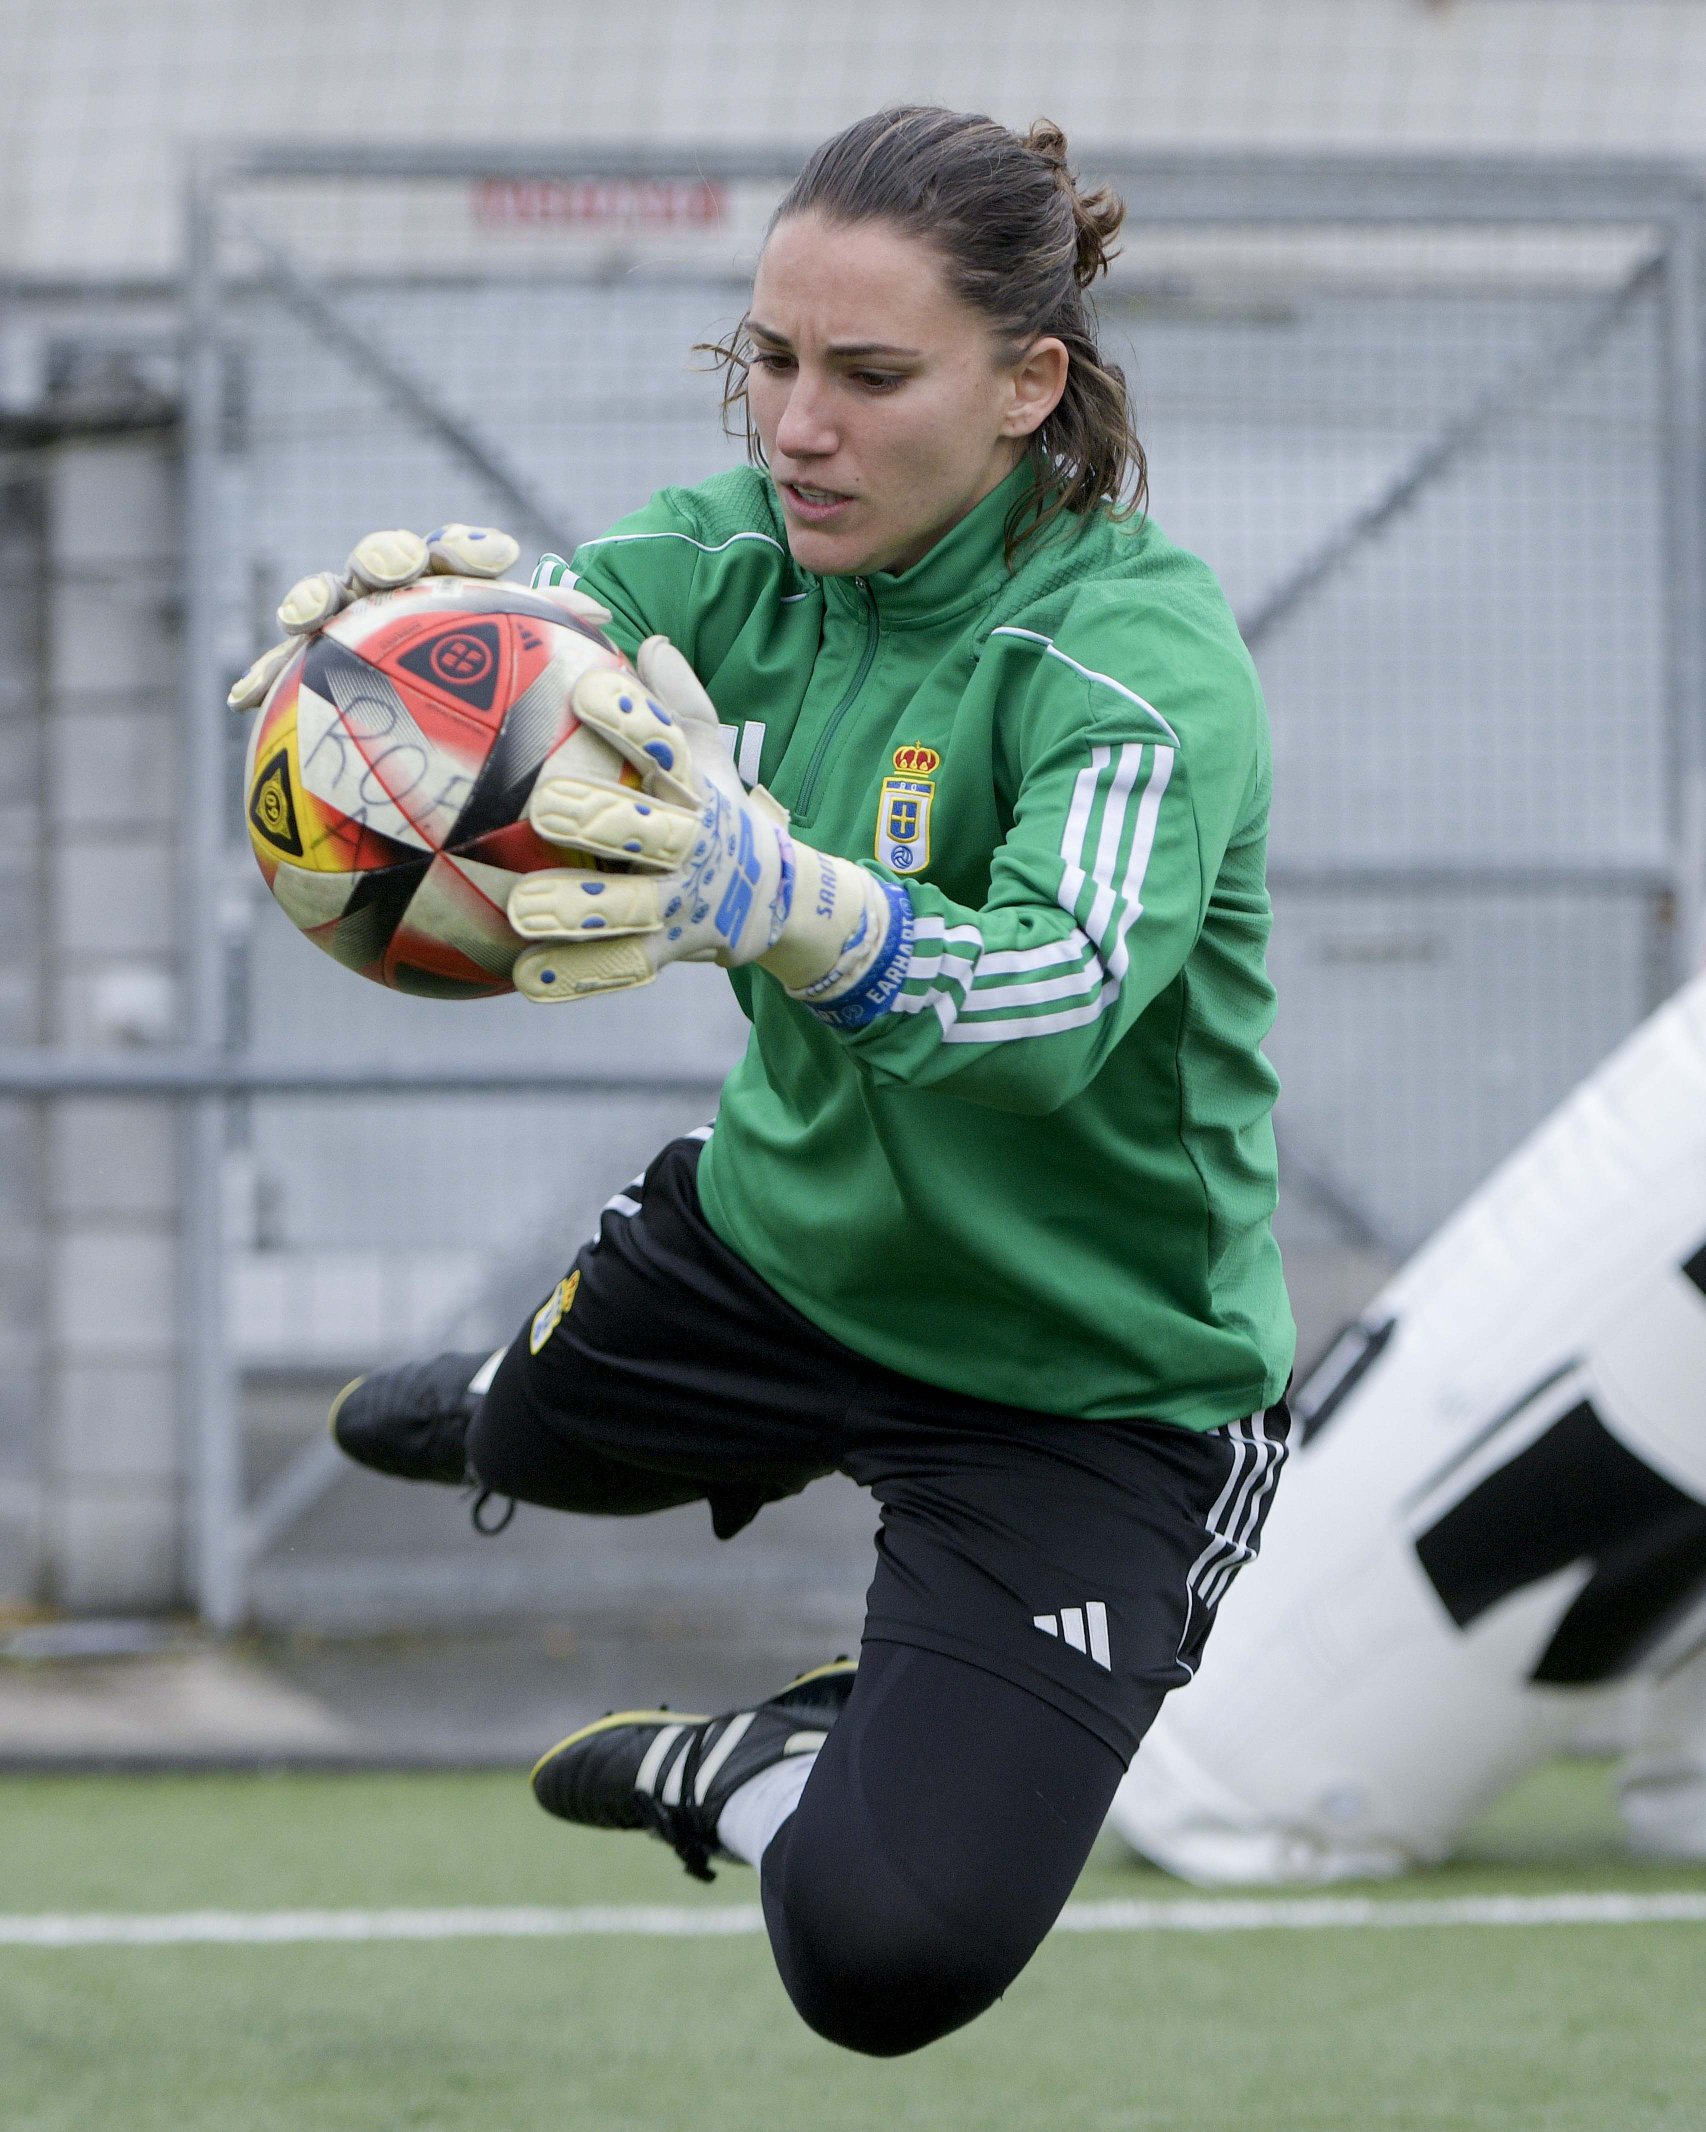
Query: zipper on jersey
x,y
820,754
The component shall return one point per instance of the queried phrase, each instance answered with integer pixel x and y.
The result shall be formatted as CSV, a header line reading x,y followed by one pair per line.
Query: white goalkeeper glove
x,y
381,562
710,872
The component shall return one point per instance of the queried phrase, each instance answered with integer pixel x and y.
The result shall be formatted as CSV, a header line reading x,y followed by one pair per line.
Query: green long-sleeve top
x,y
1044,1172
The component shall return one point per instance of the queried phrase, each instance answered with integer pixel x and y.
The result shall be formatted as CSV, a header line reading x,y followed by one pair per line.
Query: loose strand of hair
x,y
733,357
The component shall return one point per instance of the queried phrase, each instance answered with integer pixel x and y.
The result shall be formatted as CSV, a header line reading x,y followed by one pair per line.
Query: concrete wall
x,y
112,1533
23,1433
104,98
107,92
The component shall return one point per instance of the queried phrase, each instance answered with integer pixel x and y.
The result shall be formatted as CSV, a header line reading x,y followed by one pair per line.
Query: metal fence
x,y
1438,427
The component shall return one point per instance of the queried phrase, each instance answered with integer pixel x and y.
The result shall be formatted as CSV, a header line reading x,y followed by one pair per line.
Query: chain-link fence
x,y
1436,426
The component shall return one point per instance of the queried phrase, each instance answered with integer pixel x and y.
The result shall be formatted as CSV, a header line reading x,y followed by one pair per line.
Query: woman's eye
x,y
876,380
762,361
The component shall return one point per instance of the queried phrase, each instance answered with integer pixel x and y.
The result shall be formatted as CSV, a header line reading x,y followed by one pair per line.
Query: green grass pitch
x,y
1442,2029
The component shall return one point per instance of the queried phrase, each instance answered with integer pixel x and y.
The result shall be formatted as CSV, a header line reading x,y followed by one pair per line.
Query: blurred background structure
x,y
1412,305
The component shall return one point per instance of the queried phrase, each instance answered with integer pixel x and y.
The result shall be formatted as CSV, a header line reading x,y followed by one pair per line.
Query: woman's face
x,y
883,402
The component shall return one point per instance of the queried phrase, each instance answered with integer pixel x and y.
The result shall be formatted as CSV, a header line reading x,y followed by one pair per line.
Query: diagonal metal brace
x,y
1343,1206
1506,396
321,311
316,1468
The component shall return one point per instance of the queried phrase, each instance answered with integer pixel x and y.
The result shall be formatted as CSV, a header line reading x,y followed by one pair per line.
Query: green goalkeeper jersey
x,y
1043,1173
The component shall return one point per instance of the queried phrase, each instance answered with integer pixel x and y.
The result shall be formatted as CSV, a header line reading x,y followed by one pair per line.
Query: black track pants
x,y
1041,1584
941,1830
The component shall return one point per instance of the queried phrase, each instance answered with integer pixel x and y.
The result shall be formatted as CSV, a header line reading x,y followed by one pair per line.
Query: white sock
x,y
758,1809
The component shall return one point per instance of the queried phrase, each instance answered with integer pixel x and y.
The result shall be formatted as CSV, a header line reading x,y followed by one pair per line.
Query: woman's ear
x,y
1039,379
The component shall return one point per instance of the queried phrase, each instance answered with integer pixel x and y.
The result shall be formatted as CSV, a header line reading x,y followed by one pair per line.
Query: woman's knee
x,y
917,1876
871,1969
887,2001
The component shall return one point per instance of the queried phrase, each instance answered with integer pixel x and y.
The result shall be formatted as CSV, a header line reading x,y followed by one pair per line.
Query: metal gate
x,y
1437,425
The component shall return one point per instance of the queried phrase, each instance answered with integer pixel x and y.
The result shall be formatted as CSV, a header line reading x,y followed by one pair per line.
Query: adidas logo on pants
x,y
1084,1628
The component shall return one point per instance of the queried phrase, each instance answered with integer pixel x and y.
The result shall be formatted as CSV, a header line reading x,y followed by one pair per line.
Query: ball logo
x,y
462,663
273,809
272,806
917,762
461,659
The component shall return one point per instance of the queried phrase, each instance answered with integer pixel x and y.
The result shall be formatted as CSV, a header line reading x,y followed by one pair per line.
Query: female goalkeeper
x,y
985,1217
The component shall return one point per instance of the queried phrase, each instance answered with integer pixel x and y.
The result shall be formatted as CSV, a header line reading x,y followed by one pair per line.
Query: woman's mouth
x,y
815,506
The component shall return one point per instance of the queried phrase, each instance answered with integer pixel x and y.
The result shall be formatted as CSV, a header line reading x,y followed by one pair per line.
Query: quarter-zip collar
x,y
966,566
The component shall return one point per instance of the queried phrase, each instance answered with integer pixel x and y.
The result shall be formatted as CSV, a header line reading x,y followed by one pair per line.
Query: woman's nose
x,y
805,431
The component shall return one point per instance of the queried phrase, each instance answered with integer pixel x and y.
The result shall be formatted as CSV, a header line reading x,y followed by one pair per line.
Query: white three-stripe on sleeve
x,y
988,996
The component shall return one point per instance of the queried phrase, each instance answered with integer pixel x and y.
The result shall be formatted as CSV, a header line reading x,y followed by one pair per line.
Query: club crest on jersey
x,y
903,811
917,762
553,1311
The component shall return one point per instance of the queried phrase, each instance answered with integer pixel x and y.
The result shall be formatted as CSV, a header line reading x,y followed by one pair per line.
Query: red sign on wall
x,y
599,203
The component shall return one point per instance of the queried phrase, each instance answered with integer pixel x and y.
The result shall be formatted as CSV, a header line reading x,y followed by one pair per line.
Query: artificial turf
x,y
1547,2029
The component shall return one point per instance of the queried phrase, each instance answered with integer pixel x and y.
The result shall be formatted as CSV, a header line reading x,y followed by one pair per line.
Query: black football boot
x,y
411,1422
673,1774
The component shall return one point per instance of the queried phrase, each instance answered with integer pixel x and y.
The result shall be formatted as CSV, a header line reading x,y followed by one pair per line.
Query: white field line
x,y
1340,1913
277,1928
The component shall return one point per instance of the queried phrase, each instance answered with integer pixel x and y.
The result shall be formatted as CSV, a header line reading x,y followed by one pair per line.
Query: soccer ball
x,y
389,770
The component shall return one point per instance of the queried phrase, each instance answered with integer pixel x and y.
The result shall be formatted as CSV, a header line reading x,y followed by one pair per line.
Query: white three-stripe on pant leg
x,y
1233,1523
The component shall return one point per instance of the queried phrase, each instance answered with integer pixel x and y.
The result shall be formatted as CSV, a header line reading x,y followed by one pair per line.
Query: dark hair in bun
x,y
1096,216
1023,243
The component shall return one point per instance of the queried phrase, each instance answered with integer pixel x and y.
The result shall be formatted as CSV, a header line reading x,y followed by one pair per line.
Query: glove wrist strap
x,y
845,948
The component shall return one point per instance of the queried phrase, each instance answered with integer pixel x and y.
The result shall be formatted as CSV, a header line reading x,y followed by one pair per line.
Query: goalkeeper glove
x,y
381,562
710,871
